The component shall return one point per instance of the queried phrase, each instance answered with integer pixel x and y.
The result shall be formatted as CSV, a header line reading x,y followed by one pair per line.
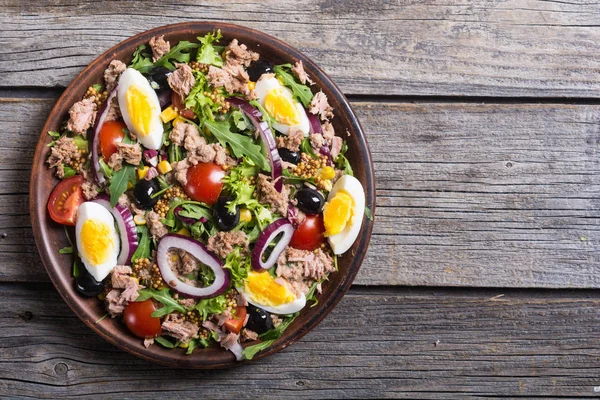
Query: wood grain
x,y
451,48
496,195
398,343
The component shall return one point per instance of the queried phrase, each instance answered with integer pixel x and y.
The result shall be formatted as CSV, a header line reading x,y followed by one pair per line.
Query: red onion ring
x,y
98,176
127,230
315,124
265,238
255,117
198,250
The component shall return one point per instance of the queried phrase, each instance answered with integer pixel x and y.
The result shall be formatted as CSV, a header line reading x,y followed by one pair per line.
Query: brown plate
x,y
50,236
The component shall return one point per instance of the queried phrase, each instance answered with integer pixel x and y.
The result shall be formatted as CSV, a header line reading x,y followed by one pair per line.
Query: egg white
x,y
268,82
92,211
342,241
287,308
132,77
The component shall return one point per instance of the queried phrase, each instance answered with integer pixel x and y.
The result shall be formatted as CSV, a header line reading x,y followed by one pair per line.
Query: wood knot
x,y
26,316
299,383
3,235
509,164
61,369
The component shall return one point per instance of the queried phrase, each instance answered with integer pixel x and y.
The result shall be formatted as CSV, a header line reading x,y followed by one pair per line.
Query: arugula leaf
x,y
164,297
179,53
66,250
250,351
143,249
165,342
301,92
142,59
204,107
269,338
240,145
207,53
238,265
105,169
368,213
342,162
305,147
208,307
53,134
118,183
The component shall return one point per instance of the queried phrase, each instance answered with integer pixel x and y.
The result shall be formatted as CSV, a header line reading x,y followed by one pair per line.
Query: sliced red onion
x,y
266,237
237,350
152,173
293,215
324,150
315,124
198,250
262,127
187,220
151,157
103,112
164,98
127,230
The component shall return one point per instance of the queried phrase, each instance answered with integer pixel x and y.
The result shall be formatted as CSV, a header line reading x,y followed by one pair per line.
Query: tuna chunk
x,y
182,130
148,342
115,162
182,80
157,228
316,141
63,152
232,77
319,105
223,242
178,328
328,131
116,299
248,335
114,112
267,194
159,46
81,116
236,53
120,276
299,71
112,73
336,146
292,141
300,268
131,153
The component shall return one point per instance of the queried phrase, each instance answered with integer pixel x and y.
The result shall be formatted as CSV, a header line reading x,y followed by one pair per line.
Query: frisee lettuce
x,y
207,307
207,53
238,265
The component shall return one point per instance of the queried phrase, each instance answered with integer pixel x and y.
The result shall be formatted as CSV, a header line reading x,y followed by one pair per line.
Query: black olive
x,y
159,76
224,219
257,68
259,320
86,284
143,191
289,156
310,201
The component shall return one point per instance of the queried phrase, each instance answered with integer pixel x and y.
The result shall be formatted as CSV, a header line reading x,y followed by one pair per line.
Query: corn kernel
x,y
129,185
139,220
164,167
245,215
251,85
168,114
177,120
327,173
101,296
184,345
184,232
142,172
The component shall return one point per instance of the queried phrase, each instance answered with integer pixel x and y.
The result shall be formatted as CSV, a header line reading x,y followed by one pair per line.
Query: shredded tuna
x,y
159,46
114,112
113,304
189,263
328,131
232,77
316,141
336,146
148,342
223,317
187,303
120,276
115,162
300,268
131,291
157,228
63,152
132,153
81,116
223,243
181,131
176,327
276,320
230,340
292,141
211,326
124,200
320,106
180,170
299,71
236,53
112,73
182,80
198,150
248,335
278,201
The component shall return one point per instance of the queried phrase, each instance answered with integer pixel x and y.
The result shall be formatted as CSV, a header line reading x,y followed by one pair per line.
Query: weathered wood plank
x,y
467,194
399,343
467,47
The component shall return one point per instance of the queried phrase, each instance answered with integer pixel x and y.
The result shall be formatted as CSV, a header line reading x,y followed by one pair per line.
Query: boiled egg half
x,y
343,213
279,102
140,108
262,291
98,243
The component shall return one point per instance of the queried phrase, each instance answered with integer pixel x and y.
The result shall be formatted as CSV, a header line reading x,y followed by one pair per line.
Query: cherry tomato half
x,y
110,134
310,233
204,182
237,321
65,199
178,103
138,318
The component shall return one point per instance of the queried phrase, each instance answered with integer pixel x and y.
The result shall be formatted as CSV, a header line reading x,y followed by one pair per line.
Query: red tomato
x,y
65,200
185,113
111,134
235,324
310,233
138,318
204,182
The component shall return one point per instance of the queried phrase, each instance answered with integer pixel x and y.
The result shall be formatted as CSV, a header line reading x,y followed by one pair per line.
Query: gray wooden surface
x,y
483,273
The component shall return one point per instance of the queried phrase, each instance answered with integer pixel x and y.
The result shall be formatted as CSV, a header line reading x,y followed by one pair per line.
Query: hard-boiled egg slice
x,y
279,102
97,240
343,213
140,108
262,291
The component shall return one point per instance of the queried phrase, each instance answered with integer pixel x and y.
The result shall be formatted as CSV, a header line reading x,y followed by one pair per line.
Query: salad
x,y
205,194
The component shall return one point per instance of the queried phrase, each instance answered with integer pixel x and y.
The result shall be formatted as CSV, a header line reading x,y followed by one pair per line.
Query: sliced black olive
x,y
289,156
143,192
86,284
259,320
310,201
224,219
257,68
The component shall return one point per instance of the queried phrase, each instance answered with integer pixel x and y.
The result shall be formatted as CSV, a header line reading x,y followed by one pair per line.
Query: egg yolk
x,y
139,109
96,240
262,289
281,108
337,213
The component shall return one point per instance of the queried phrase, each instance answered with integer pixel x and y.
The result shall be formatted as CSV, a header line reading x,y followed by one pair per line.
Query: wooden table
x,y
483,119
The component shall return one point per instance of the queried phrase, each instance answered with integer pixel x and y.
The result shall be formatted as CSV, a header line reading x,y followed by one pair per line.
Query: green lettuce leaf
x,y
240,145
207,53
164,297
301,92
118,183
